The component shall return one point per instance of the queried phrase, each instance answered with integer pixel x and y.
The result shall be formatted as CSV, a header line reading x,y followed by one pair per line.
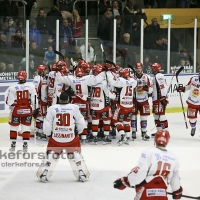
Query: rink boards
x,y
174,105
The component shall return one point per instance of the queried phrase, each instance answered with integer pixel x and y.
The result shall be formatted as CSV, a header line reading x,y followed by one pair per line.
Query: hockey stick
x,y
177,73
190,197
60,54
95,59
104,55
167,93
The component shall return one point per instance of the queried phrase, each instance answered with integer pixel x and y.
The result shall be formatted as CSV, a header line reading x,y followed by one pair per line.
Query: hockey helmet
x,y
21,75
81,62
64,70
162,137
86,68
155,67
79,72
124,73
98,69
138,65
59,65
41,68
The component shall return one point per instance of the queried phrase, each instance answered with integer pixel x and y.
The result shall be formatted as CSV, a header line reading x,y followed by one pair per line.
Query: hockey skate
x,y
25,147
193,130
133,135
127,141
83,141
153,135
13,145
100,135
113,133
90,138
122,140
82,176
106,140
43,177
145,137
95,139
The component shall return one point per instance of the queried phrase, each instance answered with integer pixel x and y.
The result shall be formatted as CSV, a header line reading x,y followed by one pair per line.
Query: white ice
x,y
105,163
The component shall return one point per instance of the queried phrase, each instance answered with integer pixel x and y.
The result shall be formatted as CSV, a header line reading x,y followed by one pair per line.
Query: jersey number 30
x,y
63,119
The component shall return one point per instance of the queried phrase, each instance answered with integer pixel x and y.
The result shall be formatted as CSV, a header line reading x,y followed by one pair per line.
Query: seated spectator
x,y
4,57
104,6
10,68
104,29
77,24
184,3
115,9
36,52
3,42
49,55
10,30
3,67
16,40
161,3
41,22
49,42
185,56
34,33
147,65
9,8
149,3
90,53
151,33
20,27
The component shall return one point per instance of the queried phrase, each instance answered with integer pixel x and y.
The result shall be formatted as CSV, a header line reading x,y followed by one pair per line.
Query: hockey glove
x,y
121,183
180,88
146,88
178,193
163,101
36,113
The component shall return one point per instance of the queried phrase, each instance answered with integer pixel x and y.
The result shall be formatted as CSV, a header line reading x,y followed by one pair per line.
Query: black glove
x,y
180,88
177,194
35,113
163,101
121,183
145,88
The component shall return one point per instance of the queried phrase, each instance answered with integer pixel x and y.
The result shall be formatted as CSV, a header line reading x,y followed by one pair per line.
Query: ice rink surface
x,y
106,163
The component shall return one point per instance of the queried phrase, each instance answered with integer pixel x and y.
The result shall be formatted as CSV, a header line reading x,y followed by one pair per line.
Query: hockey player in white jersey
x,y
143,89
100,106
59,126
156,168
22,99
193,100
159,97
40,82
124,86
80,85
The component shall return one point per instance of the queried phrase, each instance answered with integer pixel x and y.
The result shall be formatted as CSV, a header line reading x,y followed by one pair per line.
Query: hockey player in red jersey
x,y
100,106
144,87
159,97
40,82
193,100
124,86
22,99
156,168
59,126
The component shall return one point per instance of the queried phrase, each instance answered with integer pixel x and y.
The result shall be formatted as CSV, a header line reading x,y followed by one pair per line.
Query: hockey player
x,y
144,87
59,126
193,100
159,97
124,86
156,168
81,83
22,98
40,82
100,106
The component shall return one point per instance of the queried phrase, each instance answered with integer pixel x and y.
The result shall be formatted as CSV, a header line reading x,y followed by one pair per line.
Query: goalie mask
x,y
162,137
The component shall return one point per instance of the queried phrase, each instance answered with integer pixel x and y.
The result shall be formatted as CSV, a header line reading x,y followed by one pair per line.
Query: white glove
x,y
35,5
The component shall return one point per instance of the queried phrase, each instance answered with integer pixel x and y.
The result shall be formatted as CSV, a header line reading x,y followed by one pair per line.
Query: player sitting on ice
x,y
144,87
40,82
100,106
159,98
124,87
193,100
156,168
22,99
59,126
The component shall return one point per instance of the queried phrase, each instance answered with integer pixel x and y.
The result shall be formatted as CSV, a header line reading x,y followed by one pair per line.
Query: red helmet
x,y
54,67
109,66
124,73
155,67
117,67
86,67
59,65
98,69
138,64
64,70
81,62
41,68
79,72
21,75
162,137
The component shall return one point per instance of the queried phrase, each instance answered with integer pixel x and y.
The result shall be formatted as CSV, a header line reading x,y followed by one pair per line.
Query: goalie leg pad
x,y
78,166
47,167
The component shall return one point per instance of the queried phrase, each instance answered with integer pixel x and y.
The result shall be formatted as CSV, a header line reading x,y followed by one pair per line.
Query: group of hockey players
x,y
76,104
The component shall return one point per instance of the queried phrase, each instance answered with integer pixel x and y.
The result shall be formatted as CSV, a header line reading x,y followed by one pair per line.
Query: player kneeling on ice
x,y
59,126
156,168
193,100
